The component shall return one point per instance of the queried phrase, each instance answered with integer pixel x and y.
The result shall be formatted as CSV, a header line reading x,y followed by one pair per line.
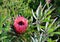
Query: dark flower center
x,y
21,23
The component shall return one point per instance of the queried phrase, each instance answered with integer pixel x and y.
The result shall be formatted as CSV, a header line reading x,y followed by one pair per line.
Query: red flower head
x,y
20,24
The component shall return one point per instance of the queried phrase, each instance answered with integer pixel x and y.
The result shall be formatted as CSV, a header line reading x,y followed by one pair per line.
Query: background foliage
x,y
10,9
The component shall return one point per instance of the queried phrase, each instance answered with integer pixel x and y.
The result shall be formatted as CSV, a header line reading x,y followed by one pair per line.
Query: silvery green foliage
x,y
43,15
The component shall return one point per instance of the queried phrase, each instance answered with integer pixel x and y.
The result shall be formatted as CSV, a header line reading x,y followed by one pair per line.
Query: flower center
x,y
21,23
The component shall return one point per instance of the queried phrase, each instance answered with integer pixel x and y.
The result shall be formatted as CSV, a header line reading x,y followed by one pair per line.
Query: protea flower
x,y
48,1
20,24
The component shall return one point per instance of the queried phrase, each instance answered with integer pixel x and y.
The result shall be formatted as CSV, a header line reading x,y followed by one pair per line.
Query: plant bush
x,y
43,20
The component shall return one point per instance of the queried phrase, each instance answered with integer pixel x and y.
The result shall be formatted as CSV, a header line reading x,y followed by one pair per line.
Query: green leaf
x,y
0,31
50,31
53,28
52,23
0,23
34,15
47,19
4,37
50,40
56,33
49,12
